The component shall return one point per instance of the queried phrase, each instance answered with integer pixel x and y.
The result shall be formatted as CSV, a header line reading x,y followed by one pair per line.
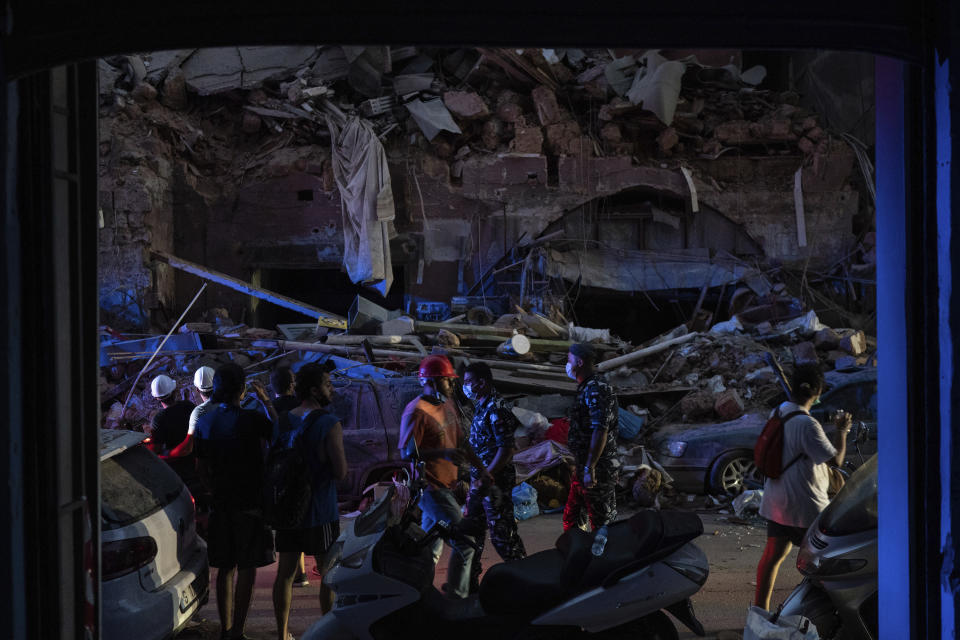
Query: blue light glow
x,y
894,520
944,149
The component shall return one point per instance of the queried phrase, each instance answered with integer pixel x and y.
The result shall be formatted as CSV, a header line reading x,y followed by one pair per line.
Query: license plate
x,y
193,591
187,597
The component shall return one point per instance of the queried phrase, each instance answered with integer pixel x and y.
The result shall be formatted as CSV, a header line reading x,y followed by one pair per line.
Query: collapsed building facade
x,y
533,177
699,205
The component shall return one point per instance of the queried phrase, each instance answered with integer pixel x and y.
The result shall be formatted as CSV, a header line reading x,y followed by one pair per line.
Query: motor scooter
x,y
838,557
383,580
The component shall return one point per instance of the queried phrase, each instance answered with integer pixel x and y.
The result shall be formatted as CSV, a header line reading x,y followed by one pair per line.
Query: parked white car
x,y
154,568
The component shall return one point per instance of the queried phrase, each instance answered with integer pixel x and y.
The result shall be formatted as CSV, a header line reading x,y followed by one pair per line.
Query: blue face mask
x,y
816,402
468,391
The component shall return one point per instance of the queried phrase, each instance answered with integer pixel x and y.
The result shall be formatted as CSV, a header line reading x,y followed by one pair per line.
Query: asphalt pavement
x,y
732,547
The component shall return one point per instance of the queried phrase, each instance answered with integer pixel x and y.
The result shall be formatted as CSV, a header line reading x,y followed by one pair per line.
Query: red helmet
x,y
437,367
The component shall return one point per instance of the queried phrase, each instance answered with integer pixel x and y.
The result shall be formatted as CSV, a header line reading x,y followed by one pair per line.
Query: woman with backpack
x,y
318,435
793,500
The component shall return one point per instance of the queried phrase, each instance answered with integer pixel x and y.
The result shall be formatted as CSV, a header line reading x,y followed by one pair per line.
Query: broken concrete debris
x,y
702,374
466,105
465,115
804,353
853,342
728,405
546,157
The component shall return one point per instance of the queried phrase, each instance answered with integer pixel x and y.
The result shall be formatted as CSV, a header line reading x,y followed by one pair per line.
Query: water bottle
x,y
599,541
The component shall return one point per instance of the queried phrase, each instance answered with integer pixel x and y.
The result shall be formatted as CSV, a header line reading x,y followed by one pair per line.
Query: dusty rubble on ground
x,y
683,375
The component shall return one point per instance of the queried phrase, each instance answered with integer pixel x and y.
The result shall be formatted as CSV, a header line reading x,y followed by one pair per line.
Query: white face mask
x,y
570,372
468,391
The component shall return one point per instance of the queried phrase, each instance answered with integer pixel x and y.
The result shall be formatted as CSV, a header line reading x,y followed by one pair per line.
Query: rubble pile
x,y
215,119
681,376
464,101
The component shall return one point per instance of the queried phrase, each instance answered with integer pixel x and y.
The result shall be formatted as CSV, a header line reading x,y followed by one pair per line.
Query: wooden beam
x,y
290,345
536,344
462,329
614,363
518,381
324,318
517,366
352,340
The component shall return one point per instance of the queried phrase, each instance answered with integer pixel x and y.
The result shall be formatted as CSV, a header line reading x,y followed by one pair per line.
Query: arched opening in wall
x,y
641,262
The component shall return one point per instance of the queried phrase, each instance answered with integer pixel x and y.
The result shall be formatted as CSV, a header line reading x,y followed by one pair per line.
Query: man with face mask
x,y
491,437
430,431
594,423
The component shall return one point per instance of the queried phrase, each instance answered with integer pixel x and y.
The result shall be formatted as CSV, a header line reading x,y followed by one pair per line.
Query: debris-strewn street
x,y
648,241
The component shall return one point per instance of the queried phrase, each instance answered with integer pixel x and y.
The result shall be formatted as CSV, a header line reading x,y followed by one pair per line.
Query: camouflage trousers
x,y
598,504
491,508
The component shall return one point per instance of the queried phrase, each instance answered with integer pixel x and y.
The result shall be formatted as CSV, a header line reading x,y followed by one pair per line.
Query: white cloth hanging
x,y
363,178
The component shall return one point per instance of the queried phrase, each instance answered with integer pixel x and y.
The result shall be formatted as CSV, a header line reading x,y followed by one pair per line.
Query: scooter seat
x,y
643,539
530,584
541,580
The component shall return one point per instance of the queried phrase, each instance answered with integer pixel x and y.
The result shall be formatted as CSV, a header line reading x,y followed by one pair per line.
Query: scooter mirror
x,y
863,434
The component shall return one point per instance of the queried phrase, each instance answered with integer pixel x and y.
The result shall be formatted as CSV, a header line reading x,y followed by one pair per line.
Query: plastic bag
x,y
534,424
630,425
531,419
748,501
525,502
732,325
763,625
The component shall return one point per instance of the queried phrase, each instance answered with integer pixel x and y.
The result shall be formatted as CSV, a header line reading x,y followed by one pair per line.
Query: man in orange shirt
x,y
430,430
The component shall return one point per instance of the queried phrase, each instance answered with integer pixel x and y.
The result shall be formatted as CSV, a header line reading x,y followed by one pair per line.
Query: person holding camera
x,y
791,502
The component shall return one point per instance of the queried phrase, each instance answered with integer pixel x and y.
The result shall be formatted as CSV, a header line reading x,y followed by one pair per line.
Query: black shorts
x,y
314,541
793,534
239,539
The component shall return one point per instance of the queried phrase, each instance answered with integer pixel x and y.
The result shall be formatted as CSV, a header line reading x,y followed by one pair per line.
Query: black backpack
x,y
287,481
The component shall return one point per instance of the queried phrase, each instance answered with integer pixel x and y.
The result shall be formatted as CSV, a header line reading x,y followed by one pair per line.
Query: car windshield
x,y
860,399
854,508
133,485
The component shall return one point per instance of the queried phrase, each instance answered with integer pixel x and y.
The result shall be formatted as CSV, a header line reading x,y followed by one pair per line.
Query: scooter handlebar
x,y
443,530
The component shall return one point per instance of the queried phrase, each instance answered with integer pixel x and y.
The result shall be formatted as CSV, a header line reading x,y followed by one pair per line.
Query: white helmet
x,y
162,386
203,379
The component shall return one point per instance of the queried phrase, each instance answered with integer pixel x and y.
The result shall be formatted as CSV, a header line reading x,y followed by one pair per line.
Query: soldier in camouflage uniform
x,y
594,423
491,437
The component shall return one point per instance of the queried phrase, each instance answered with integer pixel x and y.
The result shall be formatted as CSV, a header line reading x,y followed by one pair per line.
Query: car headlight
x,y
674,448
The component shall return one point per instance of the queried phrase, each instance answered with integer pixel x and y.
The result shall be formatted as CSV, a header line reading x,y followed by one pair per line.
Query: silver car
x,y
718,458
154,571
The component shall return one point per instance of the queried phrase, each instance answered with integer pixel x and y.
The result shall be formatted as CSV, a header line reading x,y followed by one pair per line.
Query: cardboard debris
x,y
854,343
